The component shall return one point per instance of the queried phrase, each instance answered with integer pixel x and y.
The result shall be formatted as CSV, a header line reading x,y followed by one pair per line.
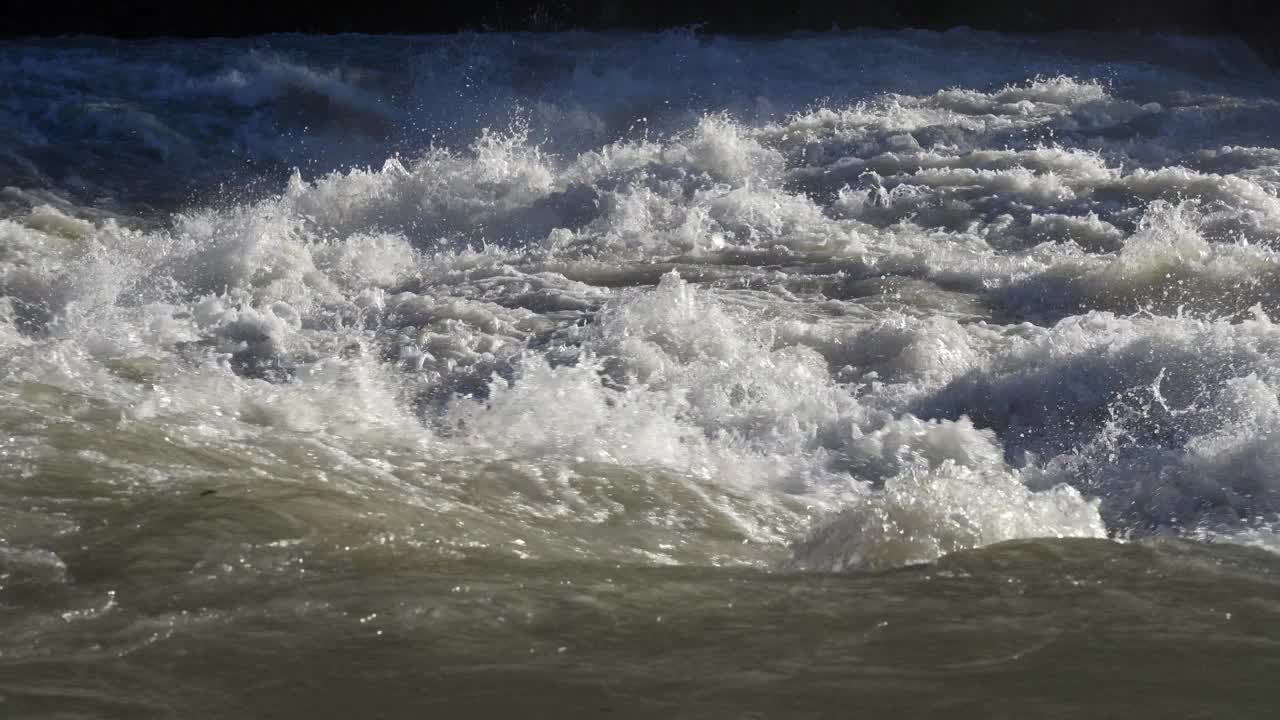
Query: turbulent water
x,y
577,375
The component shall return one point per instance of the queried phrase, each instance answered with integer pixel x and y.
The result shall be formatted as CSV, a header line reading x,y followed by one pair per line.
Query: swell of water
x,y
840,302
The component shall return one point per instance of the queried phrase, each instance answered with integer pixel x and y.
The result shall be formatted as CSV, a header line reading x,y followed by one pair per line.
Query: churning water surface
x,y
639,375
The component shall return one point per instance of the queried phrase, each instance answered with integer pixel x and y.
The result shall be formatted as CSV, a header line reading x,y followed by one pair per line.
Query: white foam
x,y
922,515
913,298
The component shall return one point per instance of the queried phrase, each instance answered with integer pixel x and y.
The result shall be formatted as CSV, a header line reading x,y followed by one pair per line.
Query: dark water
x,y
1029,628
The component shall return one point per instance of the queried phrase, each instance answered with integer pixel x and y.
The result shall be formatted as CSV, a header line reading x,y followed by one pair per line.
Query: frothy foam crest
x,y
1147,414
700,393
1167,266
926,513
487,193
671,379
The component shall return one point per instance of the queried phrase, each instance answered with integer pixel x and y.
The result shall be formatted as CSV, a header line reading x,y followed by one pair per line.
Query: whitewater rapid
x,y
835,302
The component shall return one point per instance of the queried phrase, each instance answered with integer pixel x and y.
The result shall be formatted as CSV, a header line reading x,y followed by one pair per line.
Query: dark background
x,y
1253,20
